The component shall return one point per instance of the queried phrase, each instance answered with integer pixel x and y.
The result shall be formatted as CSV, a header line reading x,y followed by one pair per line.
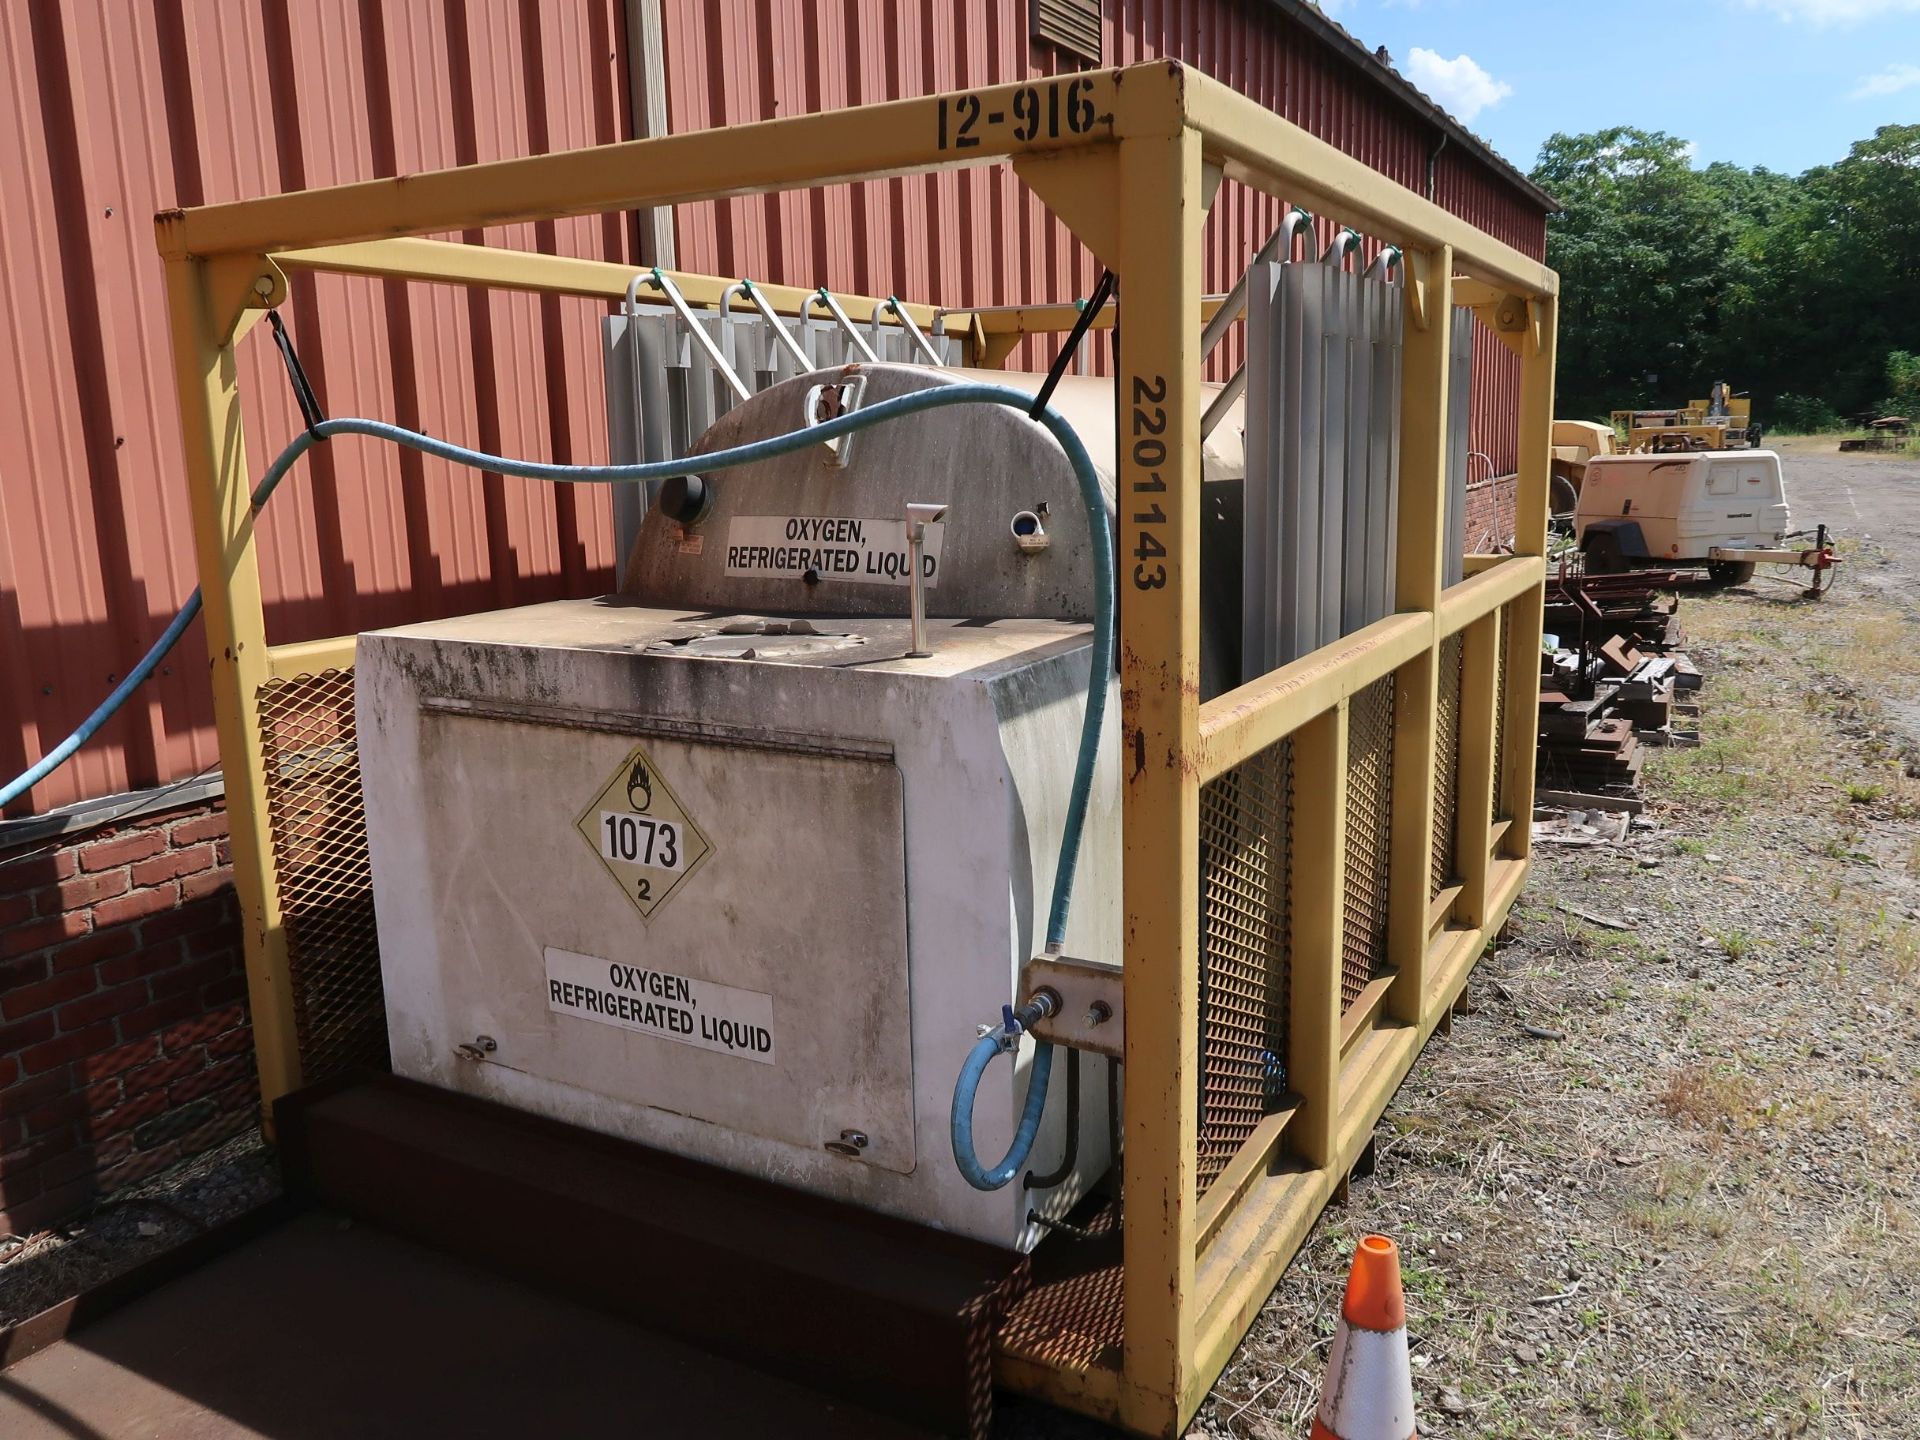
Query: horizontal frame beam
x,y
1263,712
309,657
867,142
1483,593
1258,148
496,267
1053,318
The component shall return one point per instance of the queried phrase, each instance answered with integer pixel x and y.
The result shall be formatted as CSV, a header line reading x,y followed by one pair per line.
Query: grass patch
x,y
1711,1098
1737,944
1871,935
1750,748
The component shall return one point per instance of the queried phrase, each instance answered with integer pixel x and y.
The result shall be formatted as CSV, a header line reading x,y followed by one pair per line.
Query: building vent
x,y
1073,25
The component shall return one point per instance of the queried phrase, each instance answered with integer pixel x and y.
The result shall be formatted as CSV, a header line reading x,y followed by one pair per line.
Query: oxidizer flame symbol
x,y
639,786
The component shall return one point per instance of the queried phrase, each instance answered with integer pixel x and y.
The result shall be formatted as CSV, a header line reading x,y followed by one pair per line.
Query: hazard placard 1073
x,y
641,833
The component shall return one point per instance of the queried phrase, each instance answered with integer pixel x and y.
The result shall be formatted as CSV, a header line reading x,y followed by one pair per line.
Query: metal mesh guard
x,y
319,829
1446,762
1369,827
1245,841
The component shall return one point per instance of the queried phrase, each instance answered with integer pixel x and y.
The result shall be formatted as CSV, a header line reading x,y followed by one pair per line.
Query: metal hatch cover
x,y
799,905
642,834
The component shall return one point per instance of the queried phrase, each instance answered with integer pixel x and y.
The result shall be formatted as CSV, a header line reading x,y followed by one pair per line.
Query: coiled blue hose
x,y
1101,660
960,1120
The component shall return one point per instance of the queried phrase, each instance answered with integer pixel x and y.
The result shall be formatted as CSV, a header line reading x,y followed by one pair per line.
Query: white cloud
x,y
1834,12
1458,84
1890,81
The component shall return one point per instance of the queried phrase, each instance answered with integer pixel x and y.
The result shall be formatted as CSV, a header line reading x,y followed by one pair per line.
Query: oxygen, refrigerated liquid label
x,y
701,1013
830,547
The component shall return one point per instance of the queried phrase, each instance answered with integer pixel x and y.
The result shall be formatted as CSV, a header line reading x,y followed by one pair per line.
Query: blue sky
x,y
1798,80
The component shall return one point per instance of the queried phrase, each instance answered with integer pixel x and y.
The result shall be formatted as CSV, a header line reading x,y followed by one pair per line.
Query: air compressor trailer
x,y
1285,883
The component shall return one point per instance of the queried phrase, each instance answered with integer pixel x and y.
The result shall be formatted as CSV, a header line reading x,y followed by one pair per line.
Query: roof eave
x,y
1349,48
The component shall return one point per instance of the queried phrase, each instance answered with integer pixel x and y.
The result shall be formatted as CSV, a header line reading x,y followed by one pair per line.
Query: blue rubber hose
x,y
875,414
142,672
960,1122
1100,531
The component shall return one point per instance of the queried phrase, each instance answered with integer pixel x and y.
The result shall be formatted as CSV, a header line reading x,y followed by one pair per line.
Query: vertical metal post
x,y
1529,538
1158,502
1473,805
918,518
219,490
1418,569
647,100
1319,864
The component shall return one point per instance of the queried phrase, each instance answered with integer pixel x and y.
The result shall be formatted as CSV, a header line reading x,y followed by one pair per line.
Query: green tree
x,y
1801,285
1642,248
1858,265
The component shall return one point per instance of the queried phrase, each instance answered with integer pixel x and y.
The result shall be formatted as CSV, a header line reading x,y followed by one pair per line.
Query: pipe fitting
x,y
919,516
1029,534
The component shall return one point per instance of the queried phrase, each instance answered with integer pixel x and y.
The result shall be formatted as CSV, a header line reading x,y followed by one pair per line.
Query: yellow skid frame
x,y
1130,159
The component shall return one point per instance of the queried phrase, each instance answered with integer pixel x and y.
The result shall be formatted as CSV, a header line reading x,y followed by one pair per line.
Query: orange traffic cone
x,y
1368,1392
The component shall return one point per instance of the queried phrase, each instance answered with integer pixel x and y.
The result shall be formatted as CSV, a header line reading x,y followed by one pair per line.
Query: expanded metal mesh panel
x,y
1446,761
319,831
1074,1315
1369,830
1500,717
1245,850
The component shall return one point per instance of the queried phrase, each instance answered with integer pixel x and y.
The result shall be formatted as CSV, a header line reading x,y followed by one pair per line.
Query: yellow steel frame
x,y
1131,161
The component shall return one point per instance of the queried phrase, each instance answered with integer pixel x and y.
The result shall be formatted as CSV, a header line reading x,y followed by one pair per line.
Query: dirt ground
x,y
1696,1215
133,1225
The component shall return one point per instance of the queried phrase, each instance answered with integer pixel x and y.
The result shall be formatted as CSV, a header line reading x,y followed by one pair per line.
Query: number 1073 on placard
x,y
639,840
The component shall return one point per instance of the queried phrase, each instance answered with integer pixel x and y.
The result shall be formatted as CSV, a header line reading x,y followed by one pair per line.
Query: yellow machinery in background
x,y
1723,421
1397,762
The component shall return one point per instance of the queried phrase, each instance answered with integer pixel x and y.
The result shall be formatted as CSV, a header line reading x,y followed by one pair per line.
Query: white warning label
x,y
865,552
703,1013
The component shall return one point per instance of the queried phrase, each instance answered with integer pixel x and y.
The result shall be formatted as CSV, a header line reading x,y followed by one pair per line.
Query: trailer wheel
x,y
1602,552
1725,573
1561,496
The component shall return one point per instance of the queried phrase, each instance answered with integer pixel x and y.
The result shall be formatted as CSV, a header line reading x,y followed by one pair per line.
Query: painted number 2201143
x,y
1147,435
1036,112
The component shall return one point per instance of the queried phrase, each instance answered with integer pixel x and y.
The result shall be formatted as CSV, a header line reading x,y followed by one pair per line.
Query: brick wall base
x,y
124,1039
1490,514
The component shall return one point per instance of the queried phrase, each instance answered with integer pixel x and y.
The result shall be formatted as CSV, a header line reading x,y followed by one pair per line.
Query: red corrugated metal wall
x,y
118,110
115,111
979,237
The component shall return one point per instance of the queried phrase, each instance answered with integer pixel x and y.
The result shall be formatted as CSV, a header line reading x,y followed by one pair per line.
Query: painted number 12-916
x,y
1036,112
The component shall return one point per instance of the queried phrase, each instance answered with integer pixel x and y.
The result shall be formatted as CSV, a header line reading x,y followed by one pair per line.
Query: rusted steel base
x,y
326,1328
889,1315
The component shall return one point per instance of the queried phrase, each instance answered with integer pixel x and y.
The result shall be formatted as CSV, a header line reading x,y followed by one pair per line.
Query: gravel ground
x,y
135,1225
1697,1215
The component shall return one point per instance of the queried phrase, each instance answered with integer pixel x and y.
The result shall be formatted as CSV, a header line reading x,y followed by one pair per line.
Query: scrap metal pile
x,y
1613,678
